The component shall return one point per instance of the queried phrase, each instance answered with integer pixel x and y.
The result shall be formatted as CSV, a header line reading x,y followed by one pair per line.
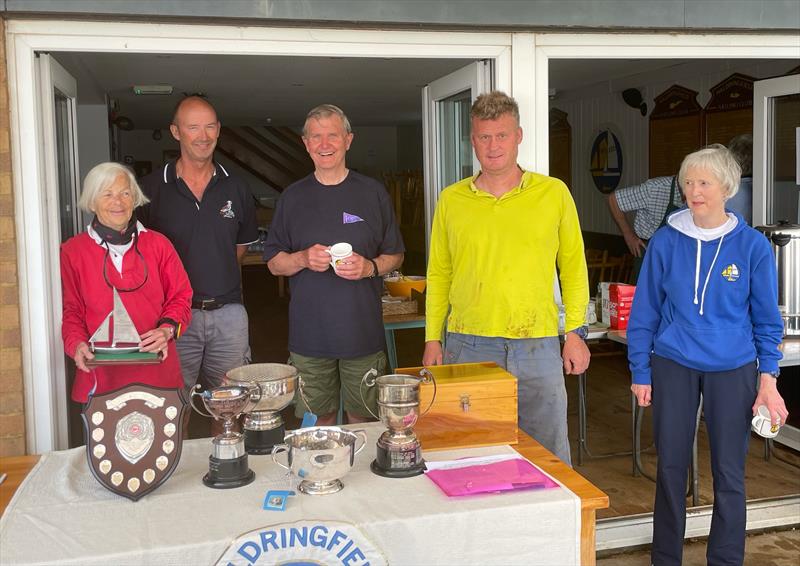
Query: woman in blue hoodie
x,y
705,320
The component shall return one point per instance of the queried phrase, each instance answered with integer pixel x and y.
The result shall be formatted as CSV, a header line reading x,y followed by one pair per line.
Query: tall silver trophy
x,y
320,456
263,426
227,465
399,454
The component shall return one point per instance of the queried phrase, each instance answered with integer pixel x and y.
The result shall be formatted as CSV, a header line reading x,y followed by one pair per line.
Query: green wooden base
x,y
127,358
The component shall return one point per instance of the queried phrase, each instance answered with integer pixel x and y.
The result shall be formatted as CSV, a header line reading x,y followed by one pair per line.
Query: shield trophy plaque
x,y
116,341
134,437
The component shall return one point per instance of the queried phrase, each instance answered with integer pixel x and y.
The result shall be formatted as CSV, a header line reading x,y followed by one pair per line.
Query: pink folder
x,y
505,475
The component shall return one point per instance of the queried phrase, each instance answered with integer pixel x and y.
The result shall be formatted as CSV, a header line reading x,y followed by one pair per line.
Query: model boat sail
x,y
117,333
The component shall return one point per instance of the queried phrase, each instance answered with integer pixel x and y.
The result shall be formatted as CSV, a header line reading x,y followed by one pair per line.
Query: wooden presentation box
x,y
476,405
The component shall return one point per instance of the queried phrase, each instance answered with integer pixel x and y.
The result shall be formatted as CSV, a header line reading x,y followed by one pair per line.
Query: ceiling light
x,y
152,89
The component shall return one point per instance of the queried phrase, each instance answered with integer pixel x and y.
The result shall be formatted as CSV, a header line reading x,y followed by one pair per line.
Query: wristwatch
x,y
174,324
374,268
582,331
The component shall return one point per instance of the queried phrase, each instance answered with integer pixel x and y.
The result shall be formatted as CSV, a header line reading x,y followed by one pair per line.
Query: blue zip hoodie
x,y
709,303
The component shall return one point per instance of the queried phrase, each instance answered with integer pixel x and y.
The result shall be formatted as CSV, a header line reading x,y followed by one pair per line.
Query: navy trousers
x,y
728,398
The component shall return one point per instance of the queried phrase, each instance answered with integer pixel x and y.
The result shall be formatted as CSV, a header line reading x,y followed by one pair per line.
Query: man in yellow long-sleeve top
x,y
496,240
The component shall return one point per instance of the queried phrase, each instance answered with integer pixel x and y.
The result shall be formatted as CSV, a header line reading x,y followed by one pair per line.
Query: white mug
x,y
339,252
762,423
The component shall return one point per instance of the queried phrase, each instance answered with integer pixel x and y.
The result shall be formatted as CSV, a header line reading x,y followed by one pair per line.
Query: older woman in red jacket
x,y
117,252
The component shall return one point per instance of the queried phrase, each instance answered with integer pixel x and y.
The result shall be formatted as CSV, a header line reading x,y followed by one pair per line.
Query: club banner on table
x,y
301,543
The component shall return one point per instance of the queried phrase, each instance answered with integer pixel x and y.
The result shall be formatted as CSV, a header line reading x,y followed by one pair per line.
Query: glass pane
x,y
66,190
782,159
455,149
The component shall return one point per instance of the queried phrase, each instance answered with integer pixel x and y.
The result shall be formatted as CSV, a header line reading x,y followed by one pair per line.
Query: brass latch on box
x,y
465,403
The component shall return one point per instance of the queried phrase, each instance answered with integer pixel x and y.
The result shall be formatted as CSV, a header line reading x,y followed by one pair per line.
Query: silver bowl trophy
x,y
320,456
263,426
399,454
227,465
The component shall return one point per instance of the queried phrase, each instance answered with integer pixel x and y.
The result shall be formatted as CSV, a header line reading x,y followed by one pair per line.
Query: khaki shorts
x,y
328,382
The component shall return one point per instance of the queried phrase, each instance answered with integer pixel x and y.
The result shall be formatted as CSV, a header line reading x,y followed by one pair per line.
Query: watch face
x,y
582,331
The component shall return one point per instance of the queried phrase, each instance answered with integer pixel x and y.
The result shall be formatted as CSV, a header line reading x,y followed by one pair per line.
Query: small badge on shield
x,y
134,437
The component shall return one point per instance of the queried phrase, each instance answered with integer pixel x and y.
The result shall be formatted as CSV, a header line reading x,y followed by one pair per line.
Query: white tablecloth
x,y
62,515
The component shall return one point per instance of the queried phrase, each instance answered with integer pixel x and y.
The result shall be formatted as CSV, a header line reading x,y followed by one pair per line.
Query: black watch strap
x,y
176,326
374,267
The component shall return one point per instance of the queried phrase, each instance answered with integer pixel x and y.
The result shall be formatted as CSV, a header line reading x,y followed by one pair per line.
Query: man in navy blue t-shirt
x,y
335,318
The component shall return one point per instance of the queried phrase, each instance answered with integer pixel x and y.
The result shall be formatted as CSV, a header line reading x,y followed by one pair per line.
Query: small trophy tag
x,y
116,341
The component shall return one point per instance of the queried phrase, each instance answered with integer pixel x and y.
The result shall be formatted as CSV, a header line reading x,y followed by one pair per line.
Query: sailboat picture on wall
x,y
116,340
606,161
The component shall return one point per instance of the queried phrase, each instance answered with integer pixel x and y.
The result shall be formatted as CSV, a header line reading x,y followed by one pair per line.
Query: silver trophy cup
x,y
263,426
321,456
399,454
228,465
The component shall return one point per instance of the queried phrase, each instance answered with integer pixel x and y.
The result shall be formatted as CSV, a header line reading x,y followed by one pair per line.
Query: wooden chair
x,y
595,260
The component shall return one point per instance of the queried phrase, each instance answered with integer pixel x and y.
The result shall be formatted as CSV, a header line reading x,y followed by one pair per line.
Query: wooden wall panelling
x,y
729,112
676,129
560,147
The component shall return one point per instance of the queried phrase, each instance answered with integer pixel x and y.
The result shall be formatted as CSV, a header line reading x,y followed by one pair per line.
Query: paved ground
x,y
780,548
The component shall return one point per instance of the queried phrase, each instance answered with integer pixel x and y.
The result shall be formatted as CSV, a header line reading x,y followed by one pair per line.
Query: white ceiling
x,y
248,89
263,90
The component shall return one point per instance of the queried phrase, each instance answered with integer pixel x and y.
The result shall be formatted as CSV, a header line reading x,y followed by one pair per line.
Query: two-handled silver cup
x,y
263,426
320,456
227,465
399,454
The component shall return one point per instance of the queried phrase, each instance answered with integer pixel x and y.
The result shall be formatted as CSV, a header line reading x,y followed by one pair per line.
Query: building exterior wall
x,y
684,15
12,416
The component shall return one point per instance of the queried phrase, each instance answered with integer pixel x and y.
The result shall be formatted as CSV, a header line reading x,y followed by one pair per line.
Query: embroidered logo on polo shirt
x,y
227,210
348,218
731,273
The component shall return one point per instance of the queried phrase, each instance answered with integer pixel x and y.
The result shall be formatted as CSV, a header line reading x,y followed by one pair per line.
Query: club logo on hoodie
x,y
731,273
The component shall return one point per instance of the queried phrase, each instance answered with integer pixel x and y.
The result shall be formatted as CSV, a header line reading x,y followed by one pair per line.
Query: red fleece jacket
x,y
88,299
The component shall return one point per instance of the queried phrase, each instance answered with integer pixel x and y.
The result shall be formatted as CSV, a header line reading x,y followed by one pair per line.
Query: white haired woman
x,y
705,320
117,252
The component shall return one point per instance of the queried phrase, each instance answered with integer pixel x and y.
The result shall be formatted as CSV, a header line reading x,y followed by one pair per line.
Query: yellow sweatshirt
x,y
493,261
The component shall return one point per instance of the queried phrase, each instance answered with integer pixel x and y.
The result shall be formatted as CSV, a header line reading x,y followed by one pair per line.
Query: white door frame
x,y
53,77
476,77
762,132
521,68
38,279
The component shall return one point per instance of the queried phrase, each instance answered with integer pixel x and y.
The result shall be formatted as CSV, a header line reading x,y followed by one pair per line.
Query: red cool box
x,y
620,297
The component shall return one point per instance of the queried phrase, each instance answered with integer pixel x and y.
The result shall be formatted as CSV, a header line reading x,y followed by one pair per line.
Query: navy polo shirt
x,y
205,232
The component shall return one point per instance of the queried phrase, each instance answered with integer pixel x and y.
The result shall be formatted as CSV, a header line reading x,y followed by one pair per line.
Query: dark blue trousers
x,y
728,398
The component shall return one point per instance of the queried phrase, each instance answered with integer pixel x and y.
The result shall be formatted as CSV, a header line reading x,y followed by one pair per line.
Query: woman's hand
x,y
644,394
82,354
156,340
768,396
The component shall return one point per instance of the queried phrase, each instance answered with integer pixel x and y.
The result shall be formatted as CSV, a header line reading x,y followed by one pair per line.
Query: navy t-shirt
x,y
331,317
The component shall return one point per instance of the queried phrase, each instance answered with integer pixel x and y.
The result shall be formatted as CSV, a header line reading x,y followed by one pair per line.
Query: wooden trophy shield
x,y
134,437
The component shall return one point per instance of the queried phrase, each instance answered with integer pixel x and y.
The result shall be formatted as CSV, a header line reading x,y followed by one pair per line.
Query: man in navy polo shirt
x,y
209,215
335,318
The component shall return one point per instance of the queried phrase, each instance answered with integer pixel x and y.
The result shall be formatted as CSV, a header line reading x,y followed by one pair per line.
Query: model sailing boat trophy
x,y
116,341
